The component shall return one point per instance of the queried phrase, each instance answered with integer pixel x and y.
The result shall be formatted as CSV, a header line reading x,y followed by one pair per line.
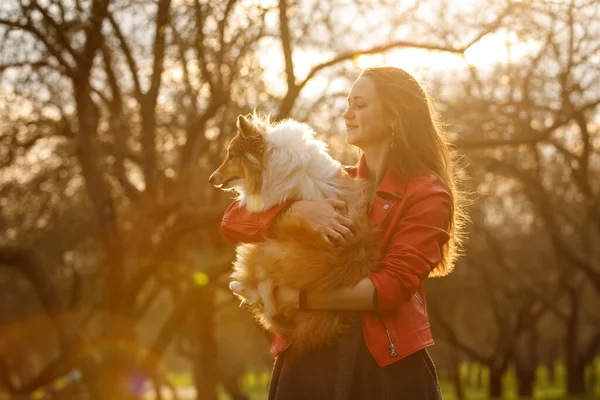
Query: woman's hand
x,y
323,217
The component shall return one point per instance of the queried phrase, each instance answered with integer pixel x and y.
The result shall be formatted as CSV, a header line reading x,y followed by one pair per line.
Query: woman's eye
x,y
359,106
230,156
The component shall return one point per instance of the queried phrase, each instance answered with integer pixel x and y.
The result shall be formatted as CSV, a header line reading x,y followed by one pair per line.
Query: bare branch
x,y
538,196
286,43
32,64
133,68
119,128
492,26
148,104
291,96
538,137
58,30
28,27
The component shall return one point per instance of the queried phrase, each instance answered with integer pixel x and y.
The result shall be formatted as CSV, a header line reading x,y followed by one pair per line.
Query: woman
x,y
418,212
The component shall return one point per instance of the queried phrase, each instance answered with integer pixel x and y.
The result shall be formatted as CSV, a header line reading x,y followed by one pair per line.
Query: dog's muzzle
x,y
215,179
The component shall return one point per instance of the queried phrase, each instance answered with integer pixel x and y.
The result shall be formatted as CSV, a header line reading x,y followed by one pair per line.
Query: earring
x,y
393,144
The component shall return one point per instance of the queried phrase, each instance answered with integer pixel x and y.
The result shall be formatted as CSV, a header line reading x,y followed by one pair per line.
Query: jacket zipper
x,y
286,347
418,299
392,347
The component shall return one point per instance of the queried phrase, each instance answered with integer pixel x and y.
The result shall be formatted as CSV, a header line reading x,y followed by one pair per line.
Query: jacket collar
x,y
392,184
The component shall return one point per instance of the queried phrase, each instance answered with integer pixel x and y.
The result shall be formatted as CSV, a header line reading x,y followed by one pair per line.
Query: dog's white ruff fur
x,y
298,166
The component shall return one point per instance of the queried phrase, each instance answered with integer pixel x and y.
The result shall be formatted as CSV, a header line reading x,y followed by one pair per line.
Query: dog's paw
x,y
238,290
247,296
236,287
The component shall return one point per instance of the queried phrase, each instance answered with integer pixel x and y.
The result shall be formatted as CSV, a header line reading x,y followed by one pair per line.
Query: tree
x,y
532,124
144,119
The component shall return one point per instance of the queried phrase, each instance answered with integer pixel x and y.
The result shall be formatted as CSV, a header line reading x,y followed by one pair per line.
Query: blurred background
x,y
113,113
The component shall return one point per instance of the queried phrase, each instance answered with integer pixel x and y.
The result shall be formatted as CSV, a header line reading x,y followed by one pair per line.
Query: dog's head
x,y
243,166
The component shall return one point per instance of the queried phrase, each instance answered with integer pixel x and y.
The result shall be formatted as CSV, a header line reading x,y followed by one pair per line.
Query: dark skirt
x,y
346,370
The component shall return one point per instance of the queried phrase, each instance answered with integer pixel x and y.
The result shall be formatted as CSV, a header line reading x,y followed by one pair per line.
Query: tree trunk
x,y
551,354
525,380
551,373
5,378
479,380
526,359
115,370
594,371
496,382
576,379
454,374
115,367
575,366
206,366
232,387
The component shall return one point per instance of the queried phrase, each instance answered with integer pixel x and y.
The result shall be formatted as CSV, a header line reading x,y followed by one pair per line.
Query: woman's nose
x,y
348,114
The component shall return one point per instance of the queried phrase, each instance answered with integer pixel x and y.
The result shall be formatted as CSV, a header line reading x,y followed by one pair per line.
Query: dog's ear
x,y
246,128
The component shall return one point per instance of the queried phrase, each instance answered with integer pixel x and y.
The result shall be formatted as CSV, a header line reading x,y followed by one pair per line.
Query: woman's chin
x,y
352,140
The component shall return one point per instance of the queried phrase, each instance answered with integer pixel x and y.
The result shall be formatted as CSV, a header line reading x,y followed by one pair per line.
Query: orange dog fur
x,y
268,165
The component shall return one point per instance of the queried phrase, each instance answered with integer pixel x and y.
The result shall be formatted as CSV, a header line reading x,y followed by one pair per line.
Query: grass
x,y
255,383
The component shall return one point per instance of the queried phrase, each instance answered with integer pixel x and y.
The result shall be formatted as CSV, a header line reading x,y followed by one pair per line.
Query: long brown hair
x,y
420,145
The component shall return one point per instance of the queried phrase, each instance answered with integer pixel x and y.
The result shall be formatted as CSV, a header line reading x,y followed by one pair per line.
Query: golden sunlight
x,y
499,47
493,49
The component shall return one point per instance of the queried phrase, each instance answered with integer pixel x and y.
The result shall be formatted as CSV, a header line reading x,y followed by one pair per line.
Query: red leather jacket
x,y
413,216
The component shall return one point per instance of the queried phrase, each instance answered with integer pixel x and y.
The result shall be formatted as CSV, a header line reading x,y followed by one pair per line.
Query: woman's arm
x,y
359,298
413,252
415,248
238,225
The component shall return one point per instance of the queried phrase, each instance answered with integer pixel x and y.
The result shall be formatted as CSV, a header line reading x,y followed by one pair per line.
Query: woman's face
x,y
366,124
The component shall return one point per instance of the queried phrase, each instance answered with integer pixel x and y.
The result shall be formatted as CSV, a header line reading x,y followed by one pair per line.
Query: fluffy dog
x,y
268,165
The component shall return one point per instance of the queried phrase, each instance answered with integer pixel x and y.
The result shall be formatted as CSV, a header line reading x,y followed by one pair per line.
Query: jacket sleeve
x,y
239,225
415,248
